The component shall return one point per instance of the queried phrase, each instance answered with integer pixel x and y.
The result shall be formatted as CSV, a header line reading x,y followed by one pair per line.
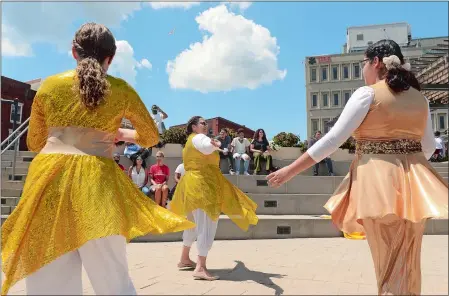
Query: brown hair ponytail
x,y
93,43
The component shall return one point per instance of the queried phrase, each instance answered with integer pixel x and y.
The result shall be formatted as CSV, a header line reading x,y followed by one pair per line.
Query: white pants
x,y
106,265
203,233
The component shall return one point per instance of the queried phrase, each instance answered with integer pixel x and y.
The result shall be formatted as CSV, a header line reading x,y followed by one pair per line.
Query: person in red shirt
x,y
159,174
117,160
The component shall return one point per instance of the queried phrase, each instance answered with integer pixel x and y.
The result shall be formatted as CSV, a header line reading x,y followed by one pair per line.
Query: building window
x,y
324,73
315,125
325,100
359,37
326,128
442,121
336,99
314,98
356,71
432,117
345,69
313,75
335,72
19,113
346,96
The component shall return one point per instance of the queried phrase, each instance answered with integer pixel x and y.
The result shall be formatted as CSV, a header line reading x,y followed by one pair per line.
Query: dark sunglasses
x,y
203,123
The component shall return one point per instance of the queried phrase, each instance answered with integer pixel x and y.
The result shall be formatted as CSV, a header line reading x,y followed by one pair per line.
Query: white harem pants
x,y
105,263
203,233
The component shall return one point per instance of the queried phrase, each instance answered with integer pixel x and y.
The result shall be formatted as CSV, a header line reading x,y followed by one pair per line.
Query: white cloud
x,y
19,48
238,54
125,64
144,63
167,4
241,5
55,22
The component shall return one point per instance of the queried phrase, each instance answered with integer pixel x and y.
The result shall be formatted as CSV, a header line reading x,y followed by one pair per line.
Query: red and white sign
x,y
323,60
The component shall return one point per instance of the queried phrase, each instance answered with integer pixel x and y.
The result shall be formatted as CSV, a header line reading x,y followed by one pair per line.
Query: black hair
x,y
240,130
437,134
264,138
192,121
397,78
144,164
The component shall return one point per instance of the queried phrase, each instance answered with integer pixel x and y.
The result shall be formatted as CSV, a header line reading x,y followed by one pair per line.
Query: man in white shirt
x,y
179,172
440,144
159,116
239,147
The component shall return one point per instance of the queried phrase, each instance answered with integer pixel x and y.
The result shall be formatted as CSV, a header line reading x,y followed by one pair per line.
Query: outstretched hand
x,y
280,177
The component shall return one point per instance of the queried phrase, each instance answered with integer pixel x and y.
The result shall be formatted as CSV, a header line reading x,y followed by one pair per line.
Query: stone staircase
x,y
291,211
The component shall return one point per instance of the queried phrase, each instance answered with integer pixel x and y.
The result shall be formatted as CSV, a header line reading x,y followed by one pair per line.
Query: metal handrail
x,y
15,140
14,132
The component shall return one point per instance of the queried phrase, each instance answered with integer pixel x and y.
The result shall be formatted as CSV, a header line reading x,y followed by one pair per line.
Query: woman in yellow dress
x,y
77,206
391,189
203,194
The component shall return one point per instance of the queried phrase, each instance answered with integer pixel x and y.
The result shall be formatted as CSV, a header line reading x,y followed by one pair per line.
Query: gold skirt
x,y
381,184
210,191
68,200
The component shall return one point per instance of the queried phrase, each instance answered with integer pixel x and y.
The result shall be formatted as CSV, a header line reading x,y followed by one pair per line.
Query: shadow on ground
x,y
240,273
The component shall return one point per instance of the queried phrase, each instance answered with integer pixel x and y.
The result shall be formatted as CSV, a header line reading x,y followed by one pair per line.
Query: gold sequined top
x,y
74,191
56,105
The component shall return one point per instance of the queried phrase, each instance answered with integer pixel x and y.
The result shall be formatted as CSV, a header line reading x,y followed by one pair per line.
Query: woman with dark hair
x,y
138,174
260,148
77,207
391,189
203,193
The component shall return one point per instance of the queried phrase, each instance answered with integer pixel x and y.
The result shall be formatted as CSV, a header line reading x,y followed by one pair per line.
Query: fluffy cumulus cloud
x,y
125,64
53,22
236,53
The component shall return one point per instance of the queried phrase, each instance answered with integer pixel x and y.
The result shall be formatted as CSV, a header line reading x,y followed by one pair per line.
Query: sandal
x,y
186,266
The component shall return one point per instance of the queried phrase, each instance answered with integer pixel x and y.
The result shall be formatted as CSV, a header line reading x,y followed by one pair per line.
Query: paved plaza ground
x,y
334,266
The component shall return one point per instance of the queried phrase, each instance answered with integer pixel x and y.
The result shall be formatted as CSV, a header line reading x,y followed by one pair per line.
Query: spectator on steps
x,y
117,160
239,149
260,148
326,160
440,147
225,149
159,175
137,173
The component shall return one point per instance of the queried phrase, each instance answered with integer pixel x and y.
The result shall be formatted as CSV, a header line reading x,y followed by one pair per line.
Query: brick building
x,y
12,89
217,123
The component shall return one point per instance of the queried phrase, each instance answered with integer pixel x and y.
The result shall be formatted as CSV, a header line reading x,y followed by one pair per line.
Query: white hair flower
x,y
391,62
407,67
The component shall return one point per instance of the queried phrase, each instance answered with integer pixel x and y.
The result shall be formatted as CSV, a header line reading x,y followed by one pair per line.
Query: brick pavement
x,y
334,266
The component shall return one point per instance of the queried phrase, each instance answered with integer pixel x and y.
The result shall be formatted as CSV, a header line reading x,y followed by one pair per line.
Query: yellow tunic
x,y
69,199
204,187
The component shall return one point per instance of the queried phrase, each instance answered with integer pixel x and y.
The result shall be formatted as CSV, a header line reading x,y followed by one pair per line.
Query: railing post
x,y
14,120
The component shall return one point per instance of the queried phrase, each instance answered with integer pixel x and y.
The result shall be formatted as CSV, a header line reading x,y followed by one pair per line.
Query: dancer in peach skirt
x,y
391,189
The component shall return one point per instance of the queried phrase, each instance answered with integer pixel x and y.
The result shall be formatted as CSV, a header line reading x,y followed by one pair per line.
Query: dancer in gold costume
x,y
203,194
77,206
391,189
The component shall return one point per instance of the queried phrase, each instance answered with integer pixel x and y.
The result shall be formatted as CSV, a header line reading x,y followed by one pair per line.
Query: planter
x,y
287,153
170,150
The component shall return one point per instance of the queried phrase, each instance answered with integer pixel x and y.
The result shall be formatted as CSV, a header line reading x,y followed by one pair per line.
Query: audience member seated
x,y
159,175
225,149
327,160
137,173
117,160
260,148
239,149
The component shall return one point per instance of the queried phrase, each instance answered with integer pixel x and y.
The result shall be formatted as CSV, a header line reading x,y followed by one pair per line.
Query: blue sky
x,y
248,70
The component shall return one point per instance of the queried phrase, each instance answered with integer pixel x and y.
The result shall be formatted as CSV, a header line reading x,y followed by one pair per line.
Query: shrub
x,y
174,135
286,140
349,145
274,146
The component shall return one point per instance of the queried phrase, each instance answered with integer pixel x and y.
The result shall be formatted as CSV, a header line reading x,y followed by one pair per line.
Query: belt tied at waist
x,y
401,146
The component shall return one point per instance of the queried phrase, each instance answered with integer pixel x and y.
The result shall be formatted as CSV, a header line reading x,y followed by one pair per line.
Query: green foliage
x,y
349,144
286,140
174,135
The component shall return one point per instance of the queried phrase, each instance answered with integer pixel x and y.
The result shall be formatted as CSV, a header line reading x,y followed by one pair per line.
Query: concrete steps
x,y
281,227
